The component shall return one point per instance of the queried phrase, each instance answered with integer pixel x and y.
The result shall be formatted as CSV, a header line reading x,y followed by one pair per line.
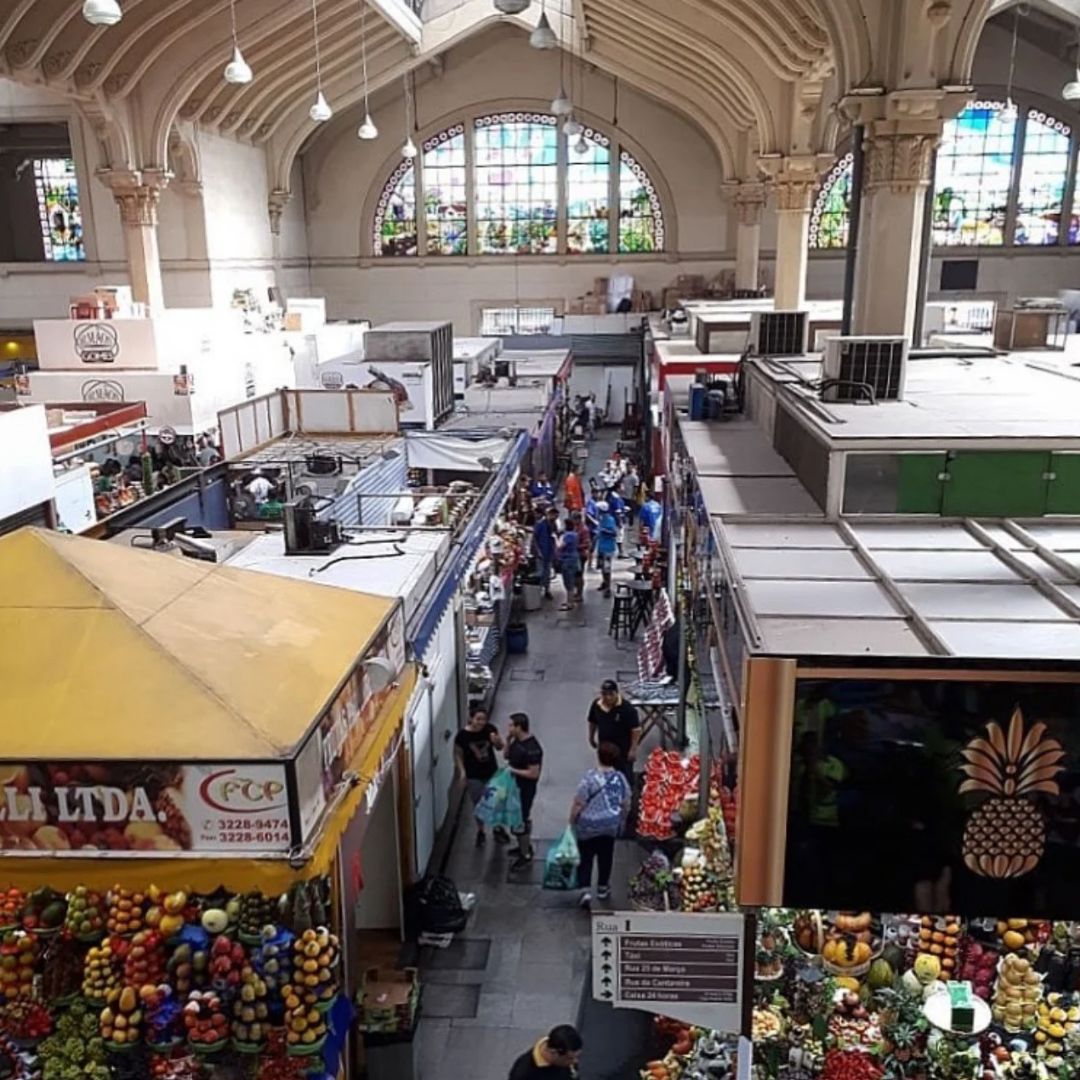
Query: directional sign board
x,y
690,967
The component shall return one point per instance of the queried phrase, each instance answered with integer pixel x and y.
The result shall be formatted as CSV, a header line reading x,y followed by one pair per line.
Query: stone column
x,y
896,179
794,201
747,197
136,193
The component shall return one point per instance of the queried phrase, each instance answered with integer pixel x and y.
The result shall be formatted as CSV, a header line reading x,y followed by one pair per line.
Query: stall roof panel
x,y
801,563
1001,640
122,654
731,448
842,599
736,496
840,637
977,566
783,534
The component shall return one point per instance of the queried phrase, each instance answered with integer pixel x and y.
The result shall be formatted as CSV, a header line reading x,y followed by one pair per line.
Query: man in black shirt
x,y
474,752
612,719
552,1058
525,757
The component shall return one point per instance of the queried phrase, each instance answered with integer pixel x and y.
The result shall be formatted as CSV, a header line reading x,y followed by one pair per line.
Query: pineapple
x,y
1005,837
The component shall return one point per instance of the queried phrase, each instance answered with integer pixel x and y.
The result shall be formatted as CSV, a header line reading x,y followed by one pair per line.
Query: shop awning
x,y
114,654
102,871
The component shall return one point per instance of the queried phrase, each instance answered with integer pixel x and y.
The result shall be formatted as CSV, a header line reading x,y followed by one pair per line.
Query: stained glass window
x,y
517,184
587,198
974,176
395,217
641,221
58,209
446,204
831,216
1043,171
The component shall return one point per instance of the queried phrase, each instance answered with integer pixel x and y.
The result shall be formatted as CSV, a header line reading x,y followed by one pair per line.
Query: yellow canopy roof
x,y
115,653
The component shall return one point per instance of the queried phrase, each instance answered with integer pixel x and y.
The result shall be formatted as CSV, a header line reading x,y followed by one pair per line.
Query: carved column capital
x,y
748,199
136,192
794,179
275,205
898,161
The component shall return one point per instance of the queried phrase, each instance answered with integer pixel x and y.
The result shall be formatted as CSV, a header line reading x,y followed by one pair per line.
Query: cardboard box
x,y
388,999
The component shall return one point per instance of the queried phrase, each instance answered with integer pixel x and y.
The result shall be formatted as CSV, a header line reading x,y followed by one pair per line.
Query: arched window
x,y
446,203
974,176
510,183
831,215
1044,168
641,222
588,194
395,218
58,209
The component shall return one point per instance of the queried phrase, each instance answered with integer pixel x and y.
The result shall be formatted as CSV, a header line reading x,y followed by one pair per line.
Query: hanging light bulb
x,y
561,105
511,7
543,37
367,130
572,128
320,111
582,145
1071,90
102,12
237,71
409,149
1010,110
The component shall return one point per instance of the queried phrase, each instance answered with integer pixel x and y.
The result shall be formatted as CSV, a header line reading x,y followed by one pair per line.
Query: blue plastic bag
x,y
561,864
501,802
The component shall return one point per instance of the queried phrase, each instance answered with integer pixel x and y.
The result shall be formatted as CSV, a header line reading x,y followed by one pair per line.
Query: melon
x,y
910,982
881,974
927,967
215,921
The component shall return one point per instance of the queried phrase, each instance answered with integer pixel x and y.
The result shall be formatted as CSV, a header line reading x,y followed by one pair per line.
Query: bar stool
x,y
622,612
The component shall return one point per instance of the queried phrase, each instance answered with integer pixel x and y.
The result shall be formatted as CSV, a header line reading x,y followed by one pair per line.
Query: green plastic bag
x,y
501,802
561,864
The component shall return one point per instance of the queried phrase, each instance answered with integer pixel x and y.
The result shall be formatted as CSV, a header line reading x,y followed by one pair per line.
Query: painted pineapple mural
x,y
1005,837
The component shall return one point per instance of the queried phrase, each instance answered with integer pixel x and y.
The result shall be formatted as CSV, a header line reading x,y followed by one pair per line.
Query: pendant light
x,y
237,70
1010,111
367,130
573,127
320,111
102,12
582,145
561,105
543,37
1071,90
511,7
408,151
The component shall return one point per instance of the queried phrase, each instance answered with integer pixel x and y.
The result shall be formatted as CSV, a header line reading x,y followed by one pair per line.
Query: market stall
x,y
206,745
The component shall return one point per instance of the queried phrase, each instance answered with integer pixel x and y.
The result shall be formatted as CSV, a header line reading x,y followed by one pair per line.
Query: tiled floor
x,y
537,969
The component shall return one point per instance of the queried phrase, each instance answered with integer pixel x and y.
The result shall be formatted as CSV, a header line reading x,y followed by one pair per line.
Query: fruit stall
x,y
174,901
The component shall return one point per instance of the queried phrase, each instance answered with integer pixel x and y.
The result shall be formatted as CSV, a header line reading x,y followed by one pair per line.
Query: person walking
x,y
525,758
545,539
573,493
569,557
598,814
629,488
554,1057
606,535
474,754
618,511
584,553
612,719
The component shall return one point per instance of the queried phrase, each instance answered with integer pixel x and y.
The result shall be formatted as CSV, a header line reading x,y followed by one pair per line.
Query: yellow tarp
x,y
272,876
116,654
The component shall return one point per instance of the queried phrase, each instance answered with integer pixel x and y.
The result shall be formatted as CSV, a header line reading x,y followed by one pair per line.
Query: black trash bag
x,y
435,907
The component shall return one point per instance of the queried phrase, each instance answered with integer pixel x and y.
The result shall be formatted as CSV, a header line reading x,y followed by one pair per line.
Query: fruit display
x,y
18,958
766,1024
11,908
315,958
165,911
1057,1024
85,917
25,1021
125,915
852,1025
808,932
978,966
145,959
1018,934
101,972
1016,997
772,945
653,887
121,1019
61,969
671,791
250,1010
44,912
850,943
162,1012
304,1023
940,937
75,1049
700,887
205,1021
256,911
273,961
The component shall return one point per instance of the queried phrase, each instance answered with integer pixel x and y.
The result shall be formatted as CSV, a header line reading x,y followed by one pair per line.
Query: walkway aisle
x,y
530,947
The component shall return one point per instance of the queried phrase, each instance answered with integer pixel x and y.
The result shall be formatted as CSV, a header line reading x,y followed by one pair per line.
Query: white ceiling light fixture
x,y
561,105
102,12
582,145
543,37
408,151
367,130
1071,90
237,70
1010,110
512,7
320,111
572,128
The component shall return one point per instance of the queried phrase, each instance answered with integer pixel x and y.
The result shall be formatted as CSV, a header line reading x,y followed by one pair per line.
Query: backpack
x,y
602,814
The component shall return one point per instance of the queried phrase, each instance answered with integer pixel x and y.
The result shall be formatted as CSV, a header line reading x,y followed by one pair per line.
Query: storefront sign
x,y
159,808
954,793
690,967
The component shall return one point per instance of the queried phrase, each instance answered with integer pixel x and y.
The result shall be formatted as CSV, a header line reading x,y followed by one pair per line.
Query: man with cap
x,y
612,719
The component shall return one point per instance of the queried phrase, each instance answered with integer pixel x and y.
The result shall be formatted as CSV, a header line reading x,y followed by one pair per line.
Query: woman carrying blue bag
x,y
598,814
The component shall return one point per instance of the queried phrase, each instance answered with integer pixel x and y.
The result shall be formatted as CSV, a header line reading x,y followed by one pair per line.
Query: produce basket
x,y
248,1047
306,1049
638,905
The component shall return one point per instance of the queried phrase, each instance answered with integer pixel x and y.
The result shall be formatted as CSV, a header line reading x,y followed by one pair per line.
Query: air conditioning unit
x,y
779,333
864,369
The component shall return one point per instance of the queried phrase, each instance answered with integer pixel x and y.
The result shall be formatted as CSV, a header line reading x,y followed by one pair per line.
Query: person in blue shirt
x,y
592,514
541,488
606,538
545,536
569,555
618,510
652,517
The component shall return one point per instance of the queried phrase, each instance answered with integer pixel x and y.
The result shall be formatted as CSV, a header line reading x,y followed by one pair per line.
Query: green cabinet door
x,y
1064,494
996,484
920,488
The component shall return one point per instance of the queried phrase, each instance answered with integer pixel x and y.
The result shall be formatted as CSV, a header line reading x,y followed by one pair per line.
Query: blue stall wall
x,y
207,507
357,507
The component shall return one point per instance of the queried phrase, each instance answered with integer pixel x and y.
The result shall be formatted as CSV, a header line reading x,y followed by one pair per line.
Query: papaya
x,y
128,1000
